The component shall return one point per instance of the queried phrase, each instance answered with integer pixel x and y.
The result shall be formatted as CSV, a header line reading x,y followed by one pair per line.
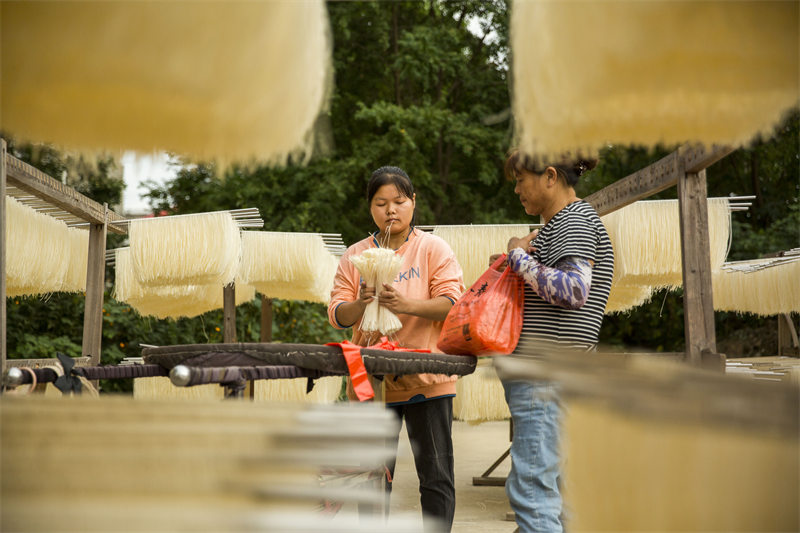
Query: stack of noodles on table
x,y
44,255
647,248
136,77
624,76
116,464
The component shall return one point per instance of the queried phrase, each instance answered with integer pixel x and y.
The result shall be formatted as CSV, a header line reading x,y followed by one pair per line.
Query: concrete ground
x,y
478,508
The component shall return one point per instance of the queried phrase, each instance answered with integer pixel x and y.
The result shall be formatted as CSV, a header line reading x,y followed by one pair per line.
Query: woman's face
x,y
390,206
533,191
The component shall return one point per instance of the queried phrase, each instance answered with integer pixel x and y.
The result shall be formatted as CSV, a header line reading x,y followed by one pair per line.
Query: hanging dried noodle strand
x,y
473,245
767,291
290,266
38,248
197,250
75,278
171,301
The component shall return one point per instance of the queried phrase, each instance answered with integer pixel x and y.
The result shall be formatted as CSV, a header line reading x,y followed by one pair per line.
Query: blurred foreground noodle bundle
x,y
118,464
231,81
616,71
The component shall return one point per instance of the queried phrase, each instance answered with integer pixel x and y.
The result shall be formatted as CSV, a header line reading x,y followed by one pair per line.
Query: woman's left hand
x,y
526,242
393,300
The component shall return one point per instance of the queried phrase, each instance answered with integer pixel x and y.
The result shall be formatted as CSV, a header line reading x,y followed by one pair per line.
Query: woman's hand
x,y
365,294
348,313
495,257
526,242
393,300
433,309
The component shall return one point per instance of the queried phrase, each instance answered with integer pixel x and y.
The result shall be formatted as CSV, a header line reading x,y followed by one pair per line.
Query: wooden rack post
x,y
266,319
788,342
698,306
229,313
95,285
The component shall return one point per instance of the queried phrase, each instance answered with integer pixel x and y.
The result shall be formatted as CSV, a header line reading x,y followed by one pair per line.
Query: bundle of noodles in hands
x,y
378,266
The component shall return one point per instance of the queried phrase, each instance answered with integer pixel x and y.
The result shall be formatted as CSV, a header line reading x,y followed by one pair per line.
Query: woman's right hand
x,y
365,294
495,257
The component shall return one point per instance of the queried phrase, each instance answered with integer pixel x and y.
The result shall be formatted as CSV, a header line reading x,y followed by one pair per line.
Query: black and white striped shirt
x,y
574,231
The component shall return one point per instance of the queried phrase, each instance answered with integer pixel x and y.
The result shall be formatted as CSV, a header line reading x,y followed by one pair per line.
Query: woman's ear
x,y
552,175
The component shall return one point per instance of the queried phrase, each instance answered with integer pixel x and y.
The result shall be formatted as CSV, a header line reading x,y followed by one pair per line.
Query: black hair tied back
x,y
584,165
569,167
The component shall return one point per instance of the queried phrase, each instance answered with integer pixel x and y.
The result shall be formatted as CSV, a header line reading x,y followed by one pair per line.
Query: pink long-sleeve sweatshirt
x,y
429,269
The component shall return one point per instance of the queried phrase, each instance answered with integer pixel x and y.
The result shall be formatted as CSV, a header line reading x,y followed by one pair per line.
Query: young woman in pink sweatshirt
x,y
429,282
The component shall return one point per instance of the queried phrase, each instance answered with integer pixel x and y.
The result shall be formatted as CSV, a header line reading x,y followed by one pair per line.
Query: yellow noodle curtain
x,y
231,81
588,73
43,254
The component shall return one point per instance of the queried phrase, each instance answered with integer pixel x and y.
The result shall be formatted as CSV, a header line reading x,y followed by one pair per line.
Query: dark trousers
x,y
429,425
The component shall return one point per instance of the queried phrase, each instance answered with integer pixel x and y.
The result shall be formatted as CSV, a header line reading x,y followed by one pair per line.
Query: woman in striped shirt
x,y
567,267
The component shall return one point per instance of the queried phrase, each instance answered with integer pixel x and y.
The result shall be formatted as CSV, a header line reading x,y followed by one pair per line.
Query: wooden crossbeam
x,y
655,178
32,180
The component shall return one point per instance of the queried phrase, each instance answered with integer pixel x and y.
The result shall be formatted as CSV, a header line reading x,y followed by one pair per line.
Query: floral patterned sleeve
x,y
565,285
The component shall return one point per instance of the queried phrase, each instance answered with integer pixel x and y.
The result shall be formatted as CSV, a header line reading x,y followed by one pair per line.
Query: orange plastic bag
x,y
487,319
